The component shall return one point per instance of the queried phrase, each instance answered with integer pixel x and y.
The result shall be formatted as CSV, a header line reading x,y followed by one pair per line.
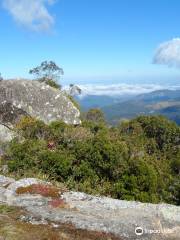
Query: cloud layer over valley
x,y
122,89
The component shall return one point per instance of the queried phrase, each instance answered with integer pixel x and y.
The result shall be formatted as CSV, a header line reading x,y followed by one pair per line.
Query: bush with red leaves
x,y
42,189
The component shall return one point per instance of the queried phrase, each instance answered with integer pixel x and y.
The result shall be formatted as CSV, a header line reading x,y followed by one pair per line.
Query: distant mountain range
x,y
100,101
164,102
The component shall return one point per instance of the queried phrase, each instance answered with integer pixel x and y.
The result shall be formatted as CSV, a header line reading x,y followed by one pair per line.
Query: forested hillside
x,y
162,102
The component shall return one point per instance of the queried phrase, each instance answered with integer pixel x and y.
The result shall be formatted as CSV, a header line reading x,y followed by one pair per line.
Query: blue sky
x,y
93,40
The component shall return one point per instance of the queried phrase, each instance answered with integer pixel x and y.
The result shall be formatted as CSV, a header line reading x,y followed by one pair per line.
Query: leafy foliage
x,y
137,160
95,115
49,73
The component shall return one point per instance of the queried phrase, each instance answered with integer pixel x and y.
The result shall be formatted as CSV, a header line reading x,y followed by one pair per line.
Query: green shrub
x,y
137,160
52,83
31,128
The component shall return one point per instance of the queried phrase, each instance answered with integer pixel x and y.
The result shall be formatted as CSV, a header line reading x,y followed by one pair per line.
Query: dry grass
x,y
11,228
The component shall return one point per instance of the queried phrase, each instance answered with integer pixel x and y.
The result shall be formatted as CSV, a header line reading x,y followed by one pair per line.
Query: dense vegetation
x,y
136,160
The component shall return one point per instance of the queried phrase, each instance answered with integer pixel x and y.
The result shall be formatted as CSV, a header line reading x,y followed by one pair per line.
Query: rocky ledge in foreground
x,y
106,218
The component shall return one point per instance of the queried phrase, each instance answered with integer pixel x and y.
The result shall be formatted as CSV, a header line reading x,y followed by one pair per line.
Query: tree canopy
x,y
48,72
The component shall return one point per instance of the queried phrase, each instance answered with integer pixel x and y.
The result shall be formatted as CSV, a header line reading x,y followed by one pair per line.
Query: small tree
x,y
1,78
48,72
95,115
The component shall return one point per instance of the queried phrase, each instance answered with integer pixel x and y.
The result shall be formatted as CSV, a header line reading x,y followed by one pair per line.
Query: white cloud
x,y
168,53
32,14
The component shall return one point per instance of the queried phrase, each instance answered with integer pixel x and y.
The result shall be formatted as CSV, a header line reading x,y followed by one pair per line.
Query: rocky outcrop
x,y
28,97
31,98
15,224
122,219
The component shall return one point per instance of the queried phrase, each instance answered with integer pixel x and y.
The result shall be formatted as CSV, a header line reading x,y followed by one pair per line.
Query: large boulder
x,y
31,98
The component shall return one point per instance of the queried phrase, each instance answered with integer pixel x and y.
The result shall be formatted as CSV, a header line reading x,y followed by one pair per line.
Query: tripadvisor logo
x,y
139,231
